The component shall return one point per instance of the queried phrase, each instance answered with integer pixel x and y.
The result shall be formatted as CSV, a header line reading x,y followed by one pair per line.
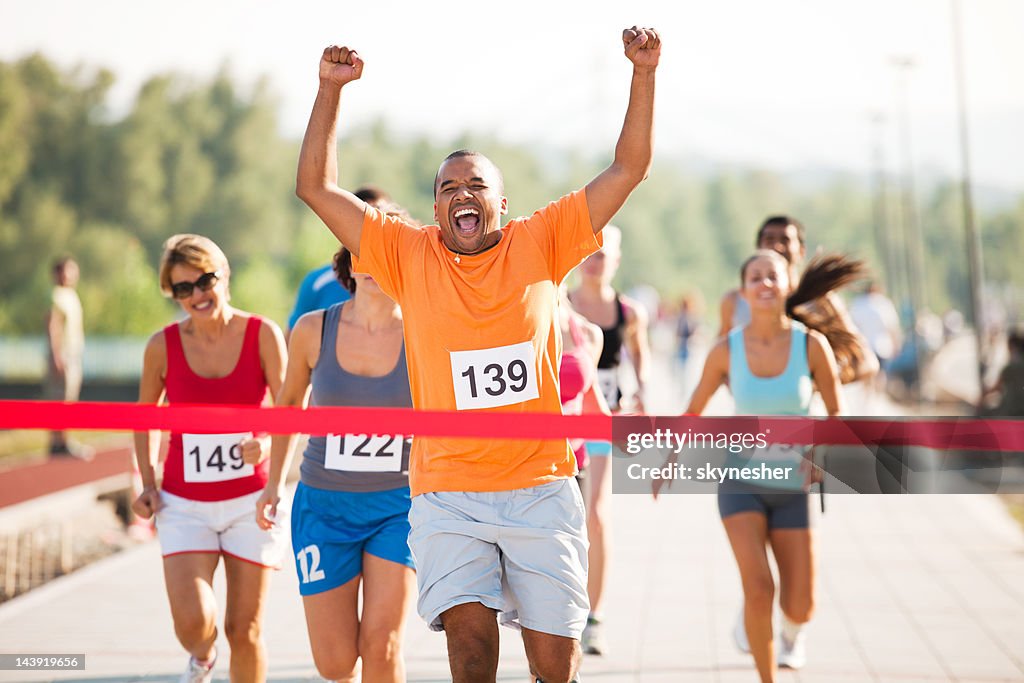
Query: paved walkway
x,y
911,589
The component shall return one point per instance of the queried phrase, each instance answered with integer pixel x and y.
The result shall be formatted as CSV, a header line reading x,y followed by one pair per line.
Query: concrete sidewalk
x,y
912,588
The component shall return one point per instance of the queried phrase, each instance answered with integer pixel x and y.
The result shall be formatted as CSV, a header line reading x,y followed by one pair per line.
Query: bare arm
x,y
824,371
593,398
303,352
608,191
317,178
147,444
716,371
272,360
637,346
55,337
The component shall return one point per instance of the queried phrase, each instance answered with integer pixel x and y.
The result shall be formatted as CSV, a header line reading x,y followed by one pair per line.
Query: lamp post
x,y
883,243
974,254
913,243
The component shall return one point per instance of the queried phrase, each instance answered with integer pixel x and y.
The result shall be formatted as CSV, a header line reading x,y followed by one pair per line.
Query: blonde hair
x,y
196,251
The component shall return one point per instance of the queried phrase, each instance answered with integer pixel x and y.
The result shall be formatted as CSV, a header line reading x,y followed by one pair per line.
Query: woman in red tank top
x,y
216,354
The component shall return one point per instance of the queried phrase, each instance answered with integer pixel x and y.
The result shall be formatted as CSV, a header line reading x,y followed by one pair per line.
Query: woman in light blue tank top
x,y
772,365
349,517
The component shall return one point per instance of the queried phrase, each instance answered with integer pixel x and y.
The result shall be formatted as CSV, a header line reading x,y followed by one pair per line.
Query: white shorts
x,y
522,553
226,527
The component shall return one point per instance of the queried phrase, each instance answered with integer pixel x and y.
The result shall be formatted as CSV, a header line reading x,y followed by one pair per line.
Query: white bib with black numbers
x,y
364,452
214,457
500,376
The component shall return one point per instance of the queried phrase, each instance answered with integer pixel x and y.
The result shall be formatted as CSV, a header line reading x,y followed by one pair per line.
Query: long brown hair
x,y
809,304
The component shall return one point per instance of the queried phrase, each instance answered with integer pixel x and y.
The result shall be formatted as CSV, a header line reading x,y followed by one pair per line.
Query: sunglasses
x,y
205,282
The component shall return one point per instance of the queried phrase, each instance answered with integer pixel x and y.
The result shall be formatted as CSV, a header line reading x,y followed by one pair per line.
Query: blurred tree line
x,y
207,157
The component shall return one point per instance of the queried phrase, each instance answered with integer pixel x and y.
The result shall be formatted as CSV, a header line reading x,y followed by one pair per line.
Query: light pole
x,y
883,244
913,246
971,233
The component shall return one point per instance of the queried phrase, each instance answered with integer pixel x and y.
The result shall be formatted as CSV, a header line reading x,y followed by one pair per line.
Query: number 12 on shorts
x,y
364,452
309,564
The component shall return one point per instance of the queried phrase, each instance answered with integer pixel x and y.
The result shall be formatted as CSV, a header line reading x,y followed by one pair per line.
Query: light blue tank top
x,y
357,462
788,393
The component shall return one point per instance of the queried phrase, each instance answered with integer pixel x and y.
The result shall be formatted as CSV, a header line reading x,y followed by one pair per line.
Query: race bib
x,y
608,381
489,378
214,457
779,454
364,452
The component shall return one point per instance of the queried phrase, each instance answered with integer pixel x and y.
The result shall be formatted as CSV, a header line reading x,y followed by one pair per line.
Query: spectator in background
x,y
688,324
320,288
876,317
65,344
1006,398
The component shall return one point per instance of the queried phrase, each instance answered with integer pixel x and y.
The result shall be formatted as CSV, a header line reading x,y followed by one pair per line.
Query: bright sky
x,y
786,84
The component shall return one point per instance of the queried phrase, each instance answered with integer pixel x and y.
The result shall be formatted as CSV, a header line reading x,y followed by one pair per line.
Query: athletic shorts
x,y
227,527
784,510
522,553
599,449
332,529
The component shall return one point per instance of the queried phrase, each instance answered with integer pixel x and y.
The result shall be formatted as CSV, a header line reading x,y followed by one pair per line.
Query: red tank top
x,y
208,467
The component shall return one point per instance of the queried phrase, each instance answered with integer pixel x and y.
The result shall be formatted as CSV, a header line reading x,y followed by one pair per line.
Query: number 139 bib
x,y
500,376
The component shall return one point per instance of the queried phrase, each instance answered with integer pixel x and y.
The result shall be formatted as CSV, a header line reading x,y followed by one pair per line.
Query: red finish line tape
x,y
229,419
939,433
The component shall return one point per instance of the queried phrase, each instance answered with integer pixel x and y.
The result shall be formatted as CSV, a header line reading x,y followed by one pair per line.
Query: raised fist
x,y
340,65
642,46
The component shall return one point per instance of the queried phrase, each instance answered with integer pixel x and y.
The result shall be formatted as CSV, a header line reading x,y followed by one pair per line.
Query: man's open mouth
x,y
466,220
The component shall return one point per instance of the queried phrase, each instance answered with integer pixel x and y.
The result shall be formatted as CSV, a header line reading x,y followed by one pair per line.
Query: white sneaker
x,y
739,634
792,655
593,640
198,673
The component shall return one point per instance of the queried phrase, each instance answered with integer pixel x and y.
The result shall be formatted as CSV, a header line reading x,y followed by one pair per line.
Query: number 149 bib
x,y
214,457
501,376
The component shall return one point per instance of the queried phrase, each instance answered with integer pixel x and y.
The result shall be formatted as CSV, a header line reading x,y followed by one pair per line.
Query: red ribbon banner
x,y
939,433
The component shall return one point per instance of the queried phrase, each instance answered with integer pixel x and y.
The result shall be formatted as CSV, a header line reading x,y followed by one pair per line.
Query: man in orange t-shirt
x,y
498,525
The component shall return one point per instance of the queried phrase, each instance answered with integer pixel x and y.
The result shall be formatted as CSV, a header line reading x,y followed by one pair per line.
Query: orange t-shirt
x,y
482,334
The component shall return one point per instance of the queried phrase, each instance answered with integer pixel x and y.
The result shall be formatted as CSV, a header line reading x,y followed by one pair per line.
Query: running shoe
x,y
792,655
593,640
739,634
73,450
198,673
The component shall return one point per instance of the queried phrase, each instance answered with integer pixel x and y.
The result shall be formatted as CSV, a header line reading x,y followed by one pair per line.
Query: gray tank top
x,y
357,463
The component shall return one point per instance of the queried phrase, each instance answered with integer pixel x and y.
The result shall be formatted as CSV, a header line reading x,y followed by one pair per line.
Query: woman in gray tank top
x,y
349,517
